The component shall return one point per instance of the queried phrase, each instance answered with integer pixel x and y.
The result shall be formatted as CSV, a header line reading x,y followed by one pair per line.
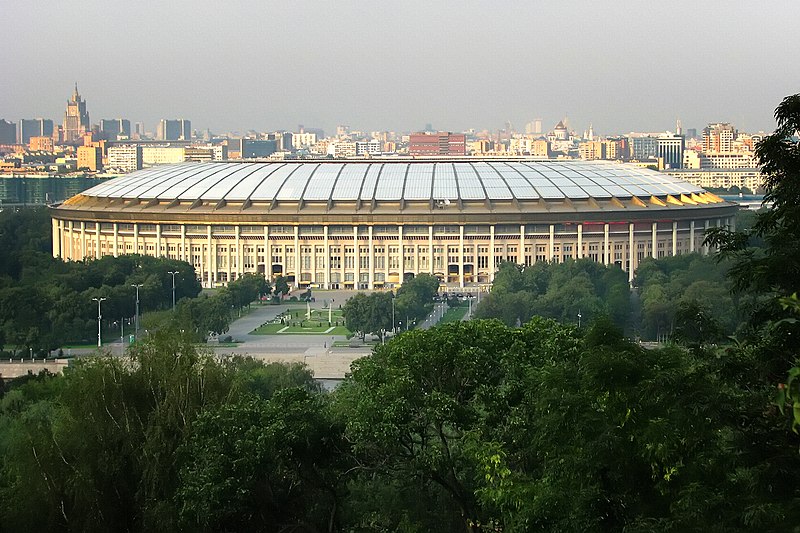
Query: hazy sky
x,y
229,65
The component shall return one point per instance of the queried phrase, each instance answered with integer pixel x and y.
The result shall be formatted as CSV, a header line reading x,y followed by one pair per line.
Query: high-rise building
x,y
90,158
125,158
34,127
40,144
174,130
670,151
643,148
112,129
373,147
76,118
718,138
433,144
592,150
303,140
8,132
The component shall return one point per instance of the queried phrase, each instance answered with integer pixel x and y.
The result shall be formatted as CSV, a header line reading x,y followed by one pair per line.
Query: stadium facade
x,y
369,224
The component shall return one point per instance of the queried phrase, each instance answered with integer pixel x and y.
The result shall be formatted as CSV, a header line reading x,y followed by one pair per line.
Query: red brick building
x,y
436,144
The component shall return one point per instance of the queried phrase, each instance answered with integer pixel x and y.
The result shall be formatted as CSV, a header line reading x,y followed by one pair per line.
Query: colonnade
x,y
464,257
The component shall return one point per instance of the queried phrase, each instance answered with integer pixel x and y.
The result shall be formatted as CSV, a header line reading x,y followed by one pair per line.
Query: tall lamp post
x,y
393,328
99,318
137,287
173,287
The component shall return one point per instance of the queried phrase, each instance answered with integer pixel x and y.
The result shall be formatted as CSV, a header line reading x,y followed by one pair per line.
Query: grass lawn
x,y
295,323
310,329
454,314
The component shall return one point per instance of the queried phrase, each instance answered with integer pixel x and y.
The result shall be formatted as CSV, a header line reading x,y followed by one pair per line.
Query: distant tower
x,y
591,132
537,125
678,127
76,119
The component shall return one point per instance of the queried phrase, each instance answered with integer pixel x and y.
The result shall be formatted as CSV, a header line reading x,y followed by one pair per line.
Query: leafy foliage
x,y
557,290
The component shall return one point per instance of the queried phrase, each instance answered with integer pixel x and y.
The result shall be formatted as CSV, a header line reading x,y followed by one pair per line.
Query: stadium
x,y
370,224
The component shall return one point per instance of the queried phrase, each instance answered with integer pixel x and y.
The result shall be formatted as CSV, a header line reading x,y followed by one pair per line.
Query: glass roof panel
x,y
294,185
321,182
573,191
616,190
350,180
519,186
390,184
246,186
419,182
548,191
371,181
232,178
596,191
167,178
268,188
178,183
444,182
495,187
469,186
197,188
111,187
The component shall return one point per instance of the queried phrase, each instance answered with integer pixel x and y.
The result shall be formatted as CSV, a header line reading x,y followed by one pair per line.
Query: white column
x,y
579,253
158,240
116,239
674,238
551,248
430,248
631,252
297,265
229,261
327,248
83,240
706,248
212,260
371,259
184,255
654,251
356,271
691,236
461,256
267,255
492,266
521,251
239,251
56,239
606,246
402,253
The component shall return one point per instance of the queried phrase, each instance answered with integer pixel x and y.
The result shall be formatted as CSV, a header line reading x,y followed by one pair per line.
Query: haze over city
x,y
236,66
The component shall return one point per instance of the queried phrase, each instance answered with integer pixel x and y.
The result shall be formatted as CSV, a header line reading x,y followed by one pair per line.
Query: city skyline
x,y
255,67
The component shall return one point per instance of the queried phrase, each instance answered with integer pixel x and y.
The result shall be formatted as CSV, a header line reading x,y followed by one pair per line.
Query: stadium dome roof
x,y
392,180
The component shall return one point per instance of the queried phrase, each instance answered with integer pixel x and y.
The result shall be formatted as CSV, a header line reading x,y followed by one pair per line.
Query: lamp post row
x,y
137,286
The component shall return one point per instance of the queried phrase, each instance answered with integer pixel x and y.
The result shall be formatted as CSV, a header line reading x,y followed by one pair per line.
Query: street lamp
x,y
99,317
579,319
173,287
136,316
393,328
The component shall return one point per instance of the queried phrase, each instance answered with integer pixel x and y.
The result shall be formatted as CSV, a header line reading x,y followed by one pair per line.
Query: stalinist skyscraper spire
x,y
76,119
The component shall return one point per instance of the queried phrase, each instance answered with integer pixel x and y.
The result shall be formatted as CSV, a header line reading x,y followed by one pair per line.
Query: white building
x,y
125,158
303,140
373,147
162,155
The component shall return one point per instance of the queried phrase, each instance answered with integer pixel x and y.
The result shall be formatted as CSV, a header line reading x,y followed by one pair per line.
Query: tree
x,y
282,286
262,465
369,313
